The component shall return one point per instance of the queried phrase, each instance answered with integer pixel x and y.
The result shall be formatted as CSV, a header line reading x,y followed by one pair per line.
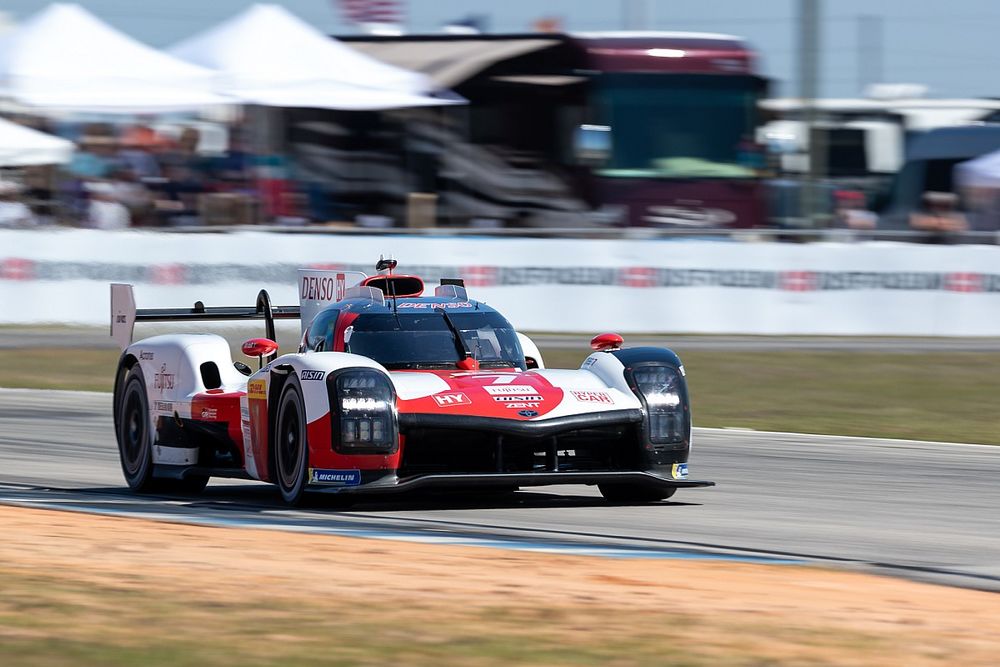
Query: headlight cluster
x,y
663,389
363,407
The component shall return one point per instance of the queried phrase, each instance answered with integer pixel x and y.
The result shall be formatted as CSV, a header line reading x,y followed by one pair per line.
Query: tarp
x,y
22,147
981,172
268,56
66,58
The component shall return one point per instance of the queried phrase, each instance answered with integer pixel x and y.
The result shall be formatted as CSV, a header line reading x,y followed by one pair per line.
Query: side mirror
x,y
260,348
606,342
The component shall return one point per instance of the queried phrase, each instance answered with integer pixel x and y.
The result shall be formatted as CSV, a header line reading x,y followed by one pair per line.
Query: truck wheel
x,y
626,493
291,455
134,432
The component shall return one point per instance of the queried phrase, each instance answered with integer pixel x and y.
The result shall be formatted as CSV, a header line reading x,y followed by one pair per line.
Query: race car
x,y
392,390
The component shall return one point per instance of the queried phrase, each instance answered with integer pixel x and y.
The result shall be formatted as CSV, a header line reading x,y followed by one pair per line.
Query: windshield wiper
x,y
460,345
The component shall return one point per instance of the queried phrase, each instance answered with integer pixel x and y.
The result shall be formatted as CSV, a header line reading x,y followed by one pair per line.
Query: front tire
x,y
291,449
625,493
134,432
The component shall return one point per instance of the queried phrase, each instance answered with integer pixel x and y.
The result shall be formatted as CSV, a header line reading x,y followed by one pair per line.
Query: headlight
x,y
663,390
363,409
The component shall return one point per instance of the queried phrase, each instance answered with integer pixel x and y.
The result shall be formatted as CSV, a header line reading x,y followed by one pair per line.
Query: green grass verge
x,y
933,396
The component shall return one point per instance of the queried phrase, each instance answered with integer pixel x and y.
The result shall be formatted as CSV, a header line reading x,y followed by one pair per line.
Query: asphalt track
x,y
921,510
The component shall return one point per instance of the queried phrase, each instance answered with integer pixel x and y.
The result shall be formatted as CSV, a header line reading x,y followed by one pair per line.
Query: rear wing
x,y
124,314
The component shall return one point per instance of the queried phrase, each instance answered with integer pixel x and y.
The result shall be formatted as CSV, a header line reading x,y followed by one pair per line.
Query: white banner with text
x,y
552,285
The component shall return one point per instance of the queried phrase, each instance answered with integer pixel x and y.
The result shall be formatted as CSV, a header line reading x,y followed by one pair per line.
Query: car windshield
x,y
424,340
679,126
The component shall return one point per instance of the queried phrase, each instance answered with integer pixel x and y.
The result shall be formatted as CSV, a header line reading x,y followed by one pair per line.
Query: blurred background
x,y
801,119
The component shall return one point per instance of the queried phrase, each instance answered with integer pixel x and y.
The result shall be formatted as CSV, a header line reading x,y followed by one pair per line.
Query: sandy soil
x,y
919,624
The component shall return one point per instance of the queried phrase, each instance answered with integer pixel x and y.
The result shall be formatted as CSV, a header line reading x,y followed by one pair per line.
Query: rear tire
x,y
134,432
625,493
291,449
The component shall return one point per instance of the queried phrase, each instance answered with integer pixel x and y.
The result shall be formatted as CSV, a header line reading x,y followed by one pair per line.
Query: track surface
x,y
921,510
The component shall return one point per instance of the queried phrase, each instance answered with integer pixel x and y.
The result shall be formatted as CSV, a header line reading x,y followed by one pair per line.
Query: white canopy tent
x,y
23,147
65,58
981,172
268,56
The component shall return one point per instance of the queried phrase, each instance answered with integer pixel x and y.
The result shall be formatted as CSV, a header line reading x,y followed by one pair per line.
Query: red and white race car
x,y
392,390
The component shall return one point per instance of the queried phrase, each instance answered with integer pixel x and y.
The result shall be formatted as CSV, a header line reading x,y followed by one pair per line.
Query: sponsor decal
x,y
451,398
146,356
679,471
588,362
209,413
510,399
163,406
423,305
528,413
319,288
523,405
163,380
510,389
244,414
312,375
257,389
592,396
334,477
795,280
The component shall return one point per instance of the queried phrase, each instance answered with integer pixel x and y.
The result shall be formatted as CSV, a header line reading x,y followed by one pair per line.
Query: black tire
x,y
134,431
135,442
291,449
626,493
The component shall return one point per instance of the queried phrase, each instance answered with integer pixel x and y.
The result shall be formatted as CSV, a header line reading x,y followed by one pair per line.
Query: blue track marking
x,y
174,511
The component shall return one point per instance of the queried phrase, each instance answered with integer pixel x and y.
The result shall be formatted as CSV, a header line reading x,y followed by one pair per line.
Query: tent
x,y
980,172
22,147
267,56
65,58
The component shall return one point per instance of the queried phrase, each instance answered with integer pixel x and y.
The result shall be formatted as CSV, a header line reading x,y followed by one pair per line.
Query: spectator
x,y
13,213
850,211
136,152
104,211
940,216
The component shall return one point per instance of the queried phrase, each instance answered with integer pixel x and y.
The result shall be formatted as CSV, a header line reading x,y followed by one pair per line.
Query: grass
x,y
58,620
933,396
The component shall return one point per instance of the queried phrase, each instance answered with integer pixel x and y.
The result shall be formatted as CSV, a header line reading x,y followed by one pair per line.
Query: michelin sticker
x,y
679,471
334,477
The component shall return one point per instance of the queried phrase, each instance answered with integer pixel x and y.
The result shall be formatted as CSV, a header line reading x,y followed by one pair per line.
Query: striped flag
x,y
372,11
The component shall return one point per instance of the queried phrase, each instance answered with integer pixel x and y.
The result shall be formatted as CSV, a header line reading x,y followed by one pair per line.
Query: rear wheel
x,y
135,442
626,493
291,452
134,432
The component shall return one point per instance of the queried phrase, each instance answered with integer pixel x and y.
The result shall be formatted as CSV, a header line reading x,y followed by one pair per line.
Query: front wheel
x,y
291,451
626,493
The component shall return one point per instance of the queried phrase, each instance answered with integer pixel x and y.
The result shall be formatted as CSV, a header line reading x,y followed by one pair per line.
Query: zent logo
x,y
450,399
312,375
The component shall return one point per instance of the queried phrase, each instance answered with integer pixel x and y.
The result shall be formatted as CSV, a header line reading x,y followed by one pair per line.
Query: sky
x,y
948,46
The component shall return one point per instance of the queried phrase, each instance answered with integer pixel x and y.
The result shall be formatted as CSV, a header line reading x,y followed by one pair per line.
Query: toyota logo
x,y
527,413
